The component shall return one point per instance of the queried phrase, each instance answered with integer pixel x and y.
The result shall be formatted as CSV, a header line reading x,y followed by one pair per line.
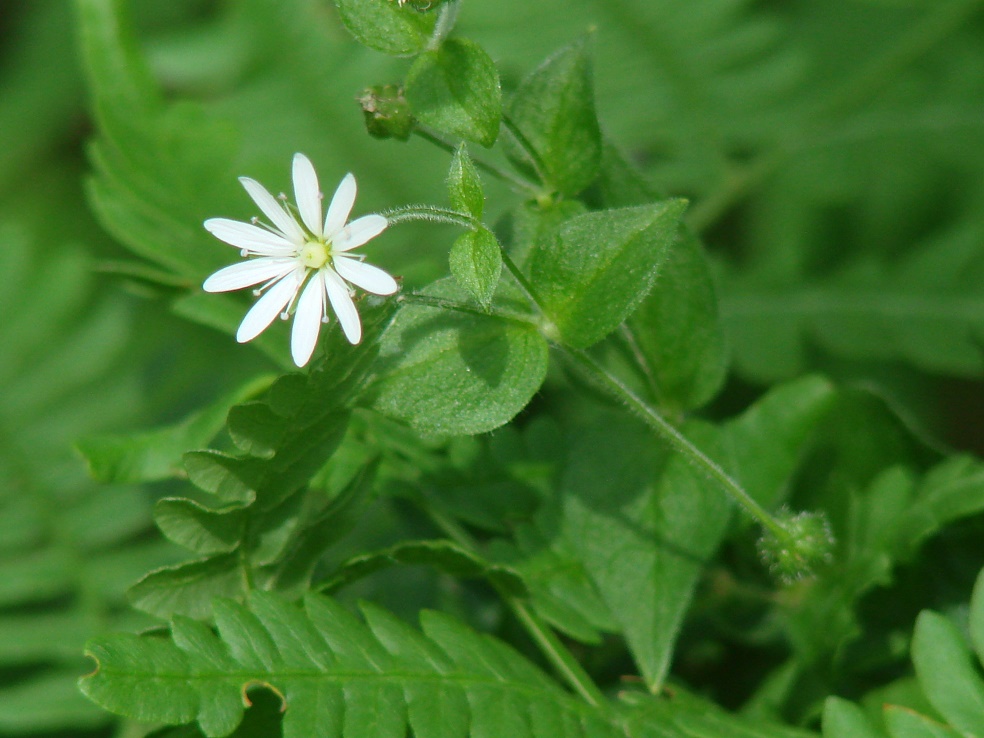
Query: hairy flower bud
x,y
808,544
386,112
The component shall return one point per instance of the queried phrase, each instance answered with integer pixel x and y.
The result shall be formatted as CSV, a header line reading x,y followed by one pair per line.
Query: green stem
x,y
432,214
524,143
552,648
462,307
524,283
446,18
518,184
674,438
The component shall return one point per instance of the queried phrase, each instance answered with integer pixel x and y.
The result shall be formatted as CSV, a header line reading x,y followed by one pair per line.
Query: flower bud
x,y
808,543
386,112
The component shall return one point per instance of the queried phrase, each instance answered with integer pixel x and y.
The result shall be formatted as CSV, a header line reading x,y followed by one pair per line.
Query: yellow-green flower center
x,y
314,254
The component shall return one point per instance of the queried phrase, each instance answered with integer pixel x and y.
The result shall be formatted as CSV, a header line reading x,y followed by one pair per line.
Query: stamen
x,y
285,315
282,196
244,253
259,290
254,220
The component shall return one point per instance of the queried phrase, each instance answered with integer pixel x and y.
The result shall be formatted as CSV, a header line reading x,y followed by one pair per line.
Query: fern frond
x,y
336,675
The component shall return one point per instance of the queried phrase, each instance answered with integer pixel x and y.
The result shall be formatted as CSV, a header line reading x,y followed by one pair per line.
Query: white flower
x,y
301,261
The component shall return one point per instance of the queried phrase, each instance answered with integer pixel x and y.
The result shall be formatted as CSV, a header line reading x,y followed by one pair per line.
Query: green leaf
x,y
677,329
531,223
455,89
450,372
159,167
476,263
643,523
445,555
199,528
904,723
336,675
553,112
385,26
843,718
947,674
465,186
189,588
598,267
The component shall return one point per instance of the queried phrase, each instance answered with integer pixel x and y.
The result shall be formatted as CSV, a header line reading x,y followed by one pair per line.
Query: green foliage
x,y
595,269
948,676
385,26
553,122
476,263
335,674
545,457
455,89
454,372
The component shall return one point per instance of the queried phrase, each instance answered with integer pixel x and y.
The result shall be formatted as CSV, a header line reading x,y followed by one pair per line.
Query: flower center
x,y
314,254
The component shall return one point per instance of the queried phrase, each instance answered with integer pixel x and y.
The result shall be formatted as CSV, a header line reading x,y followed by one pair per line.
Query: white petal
x,y
341,205
268,307
250,237
341,303
358,232
248,273
371,279
307,320
307,194
273,210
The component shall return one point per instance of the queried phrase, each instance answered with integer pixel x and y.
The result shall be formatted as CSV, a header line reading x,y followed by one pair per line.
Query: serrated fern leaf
x,y
336,675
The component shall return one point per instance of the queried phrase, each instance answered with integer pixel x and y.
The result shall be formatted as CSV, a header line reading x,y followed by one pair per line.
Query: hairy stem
x,y
431,214
674,438
463,307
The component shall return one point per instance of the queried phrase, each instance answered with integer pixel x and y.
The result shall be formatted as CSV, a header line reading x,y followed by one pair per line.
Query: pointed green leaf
x,y
465,186
198,528
386,26
189,588
677,329
476,263
643,521
947,673
598,267
450,372
553,111
455,89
